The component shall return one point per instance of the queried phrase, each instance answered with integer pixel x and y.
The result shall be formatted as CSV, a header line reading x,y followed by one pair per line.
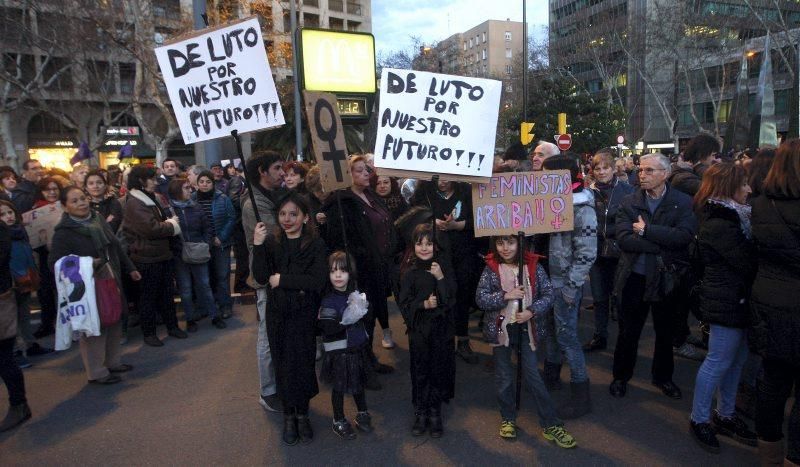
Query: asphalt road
x,y
194,402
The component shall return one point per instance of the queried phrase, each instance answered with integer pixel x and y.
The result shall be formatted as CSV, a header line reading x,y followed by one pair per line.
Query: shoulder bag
x,y
194,252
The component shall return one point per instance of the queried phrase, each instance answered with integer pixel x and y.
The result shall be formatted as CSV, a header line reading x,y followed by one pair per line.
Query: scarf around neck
x,y
744,212
94,229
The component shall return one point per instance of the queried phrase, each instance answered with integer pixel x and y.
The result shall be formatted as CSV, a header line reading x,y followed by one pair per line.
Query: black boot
x,y
436,422
17,414
304,429
552,376
420,422
464,351
290,435
580,402
597,343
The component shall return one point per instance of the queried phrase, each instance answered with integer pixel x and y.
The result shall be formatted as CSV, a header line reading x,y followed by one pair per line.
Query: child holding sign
x,y
499,294
427,297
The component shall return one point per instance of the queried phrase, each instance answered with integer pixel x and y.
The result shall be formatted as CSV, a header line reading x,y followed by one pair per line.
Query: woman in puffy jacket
x,y
728,257
192,279
776,303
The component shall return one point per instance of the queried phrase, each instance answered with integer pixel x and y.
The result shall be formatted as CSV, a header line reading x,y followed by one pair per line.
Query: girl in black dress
x,y
427,298
292,262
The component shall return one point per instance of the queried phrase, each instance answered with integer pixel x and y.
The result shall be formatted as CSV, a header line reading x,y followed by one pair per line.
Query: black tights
x,y
337,399
10,372
301,409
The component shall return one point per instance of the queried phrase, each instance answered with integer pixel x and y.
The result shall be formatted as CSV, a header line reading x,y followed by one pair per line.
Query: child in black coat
x,y
427,297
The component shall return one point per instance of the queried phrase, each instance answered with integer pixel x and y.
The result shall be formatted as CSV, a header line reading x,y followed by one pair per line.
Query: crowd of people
x,y
699,234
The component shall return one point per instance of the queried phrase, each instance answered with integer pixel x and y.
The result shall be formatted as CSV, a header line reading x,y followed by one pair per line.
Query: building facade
x,y
80,81
646,55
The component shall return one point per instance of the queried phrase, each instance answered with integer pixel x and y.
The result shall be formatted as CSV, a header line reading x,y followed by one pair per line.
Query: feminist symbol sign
x,y
322,114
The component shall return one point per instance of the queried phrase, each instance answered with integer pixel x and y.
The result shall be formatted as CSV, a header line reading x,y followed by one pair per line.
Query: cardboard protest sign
x,y
327,136
41,222
530,202
219,80
432,124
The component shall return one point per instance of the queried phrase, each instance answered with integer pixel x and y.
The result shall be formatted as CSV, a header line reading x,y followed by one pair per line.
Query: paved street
x,y
194,402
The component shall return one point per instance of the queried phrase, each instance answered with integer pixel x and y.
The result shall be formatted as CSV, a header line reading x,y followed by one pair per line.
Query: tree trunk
x,y
8,141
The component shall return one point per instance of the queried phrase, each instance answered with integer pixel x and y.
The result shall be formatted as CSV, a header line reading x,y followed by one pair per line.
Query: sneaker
x,y
227,312
464,351
21,360
271,403
34,350
508,429
734,427
703,434
689,351
560,436
363,422
387,341
343,429
177,333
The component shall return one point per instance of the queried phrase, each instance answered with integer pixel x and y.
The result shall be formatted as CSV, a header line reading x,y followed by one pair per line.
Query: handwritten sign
x,y
531,202
41,222
432,123
327,135
219,80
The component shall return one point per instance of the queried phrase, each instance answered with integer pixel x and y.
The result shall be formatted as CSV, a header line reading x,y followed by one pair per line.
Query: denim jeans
x,y
220,268
194,276
266,369
505,376
727,353
561,336
601,279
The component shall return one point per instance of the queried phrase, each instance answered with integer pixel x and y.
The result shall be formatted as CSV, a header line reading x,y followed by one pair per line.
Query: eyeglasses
x,y
650,170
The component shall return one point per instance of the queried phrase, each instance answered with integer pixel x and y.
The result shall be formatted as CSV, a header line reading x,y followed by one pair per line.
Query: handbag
x,y
108,296
194,252
28,282
609,248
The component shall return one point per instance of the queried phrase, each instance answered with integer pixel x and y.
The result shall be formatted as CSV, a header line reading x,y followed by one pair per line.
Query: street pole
x,y
206,152
524,63
298,128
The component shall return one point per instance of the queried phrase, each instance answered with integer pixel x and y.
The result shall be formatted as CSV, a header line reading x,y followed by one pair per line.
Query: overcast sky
x,y
395,22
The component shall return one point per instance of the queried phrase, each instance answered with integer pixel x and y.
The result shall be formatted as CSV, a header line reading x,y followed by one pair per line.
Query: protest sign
x,y
219,80
41,222
432,124
327,136
530,202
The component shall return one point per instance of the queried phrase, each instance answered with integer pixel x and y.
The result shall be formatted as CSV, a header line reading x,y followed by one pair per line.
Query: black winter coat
x,y
109,207
292,309
668,233
686,180
5,257
371,259
606,207
729,266
775,299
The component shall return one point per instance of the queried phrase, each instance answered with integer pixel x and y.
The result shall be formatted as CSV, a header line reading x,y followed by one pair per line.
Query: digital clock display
x,y
350,107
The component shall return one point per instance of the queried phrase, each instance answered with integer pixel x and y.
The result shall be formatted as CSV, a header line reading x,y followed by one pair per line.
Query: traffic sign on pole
x,y
564,141
620,139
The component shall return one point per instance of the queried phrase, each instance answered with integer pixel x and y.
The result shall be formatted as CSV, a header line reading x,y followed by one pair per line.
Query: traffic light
x,y
526,133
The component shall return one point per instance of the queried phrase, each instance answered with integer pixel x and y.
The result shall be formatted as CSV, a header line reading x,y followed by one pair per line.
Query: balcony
x,y
354,8
336,5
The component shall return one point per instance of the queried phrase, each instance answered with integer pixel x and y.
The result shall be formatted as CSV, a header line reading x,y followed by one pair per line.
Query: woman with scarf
x,y
729,266
608,192
193,280
389,191
148,229
103,201
82,232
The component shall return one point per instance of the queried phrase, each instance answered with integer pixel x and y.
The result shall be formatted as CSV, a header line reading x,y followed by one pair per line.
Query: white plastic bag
x,y
356,308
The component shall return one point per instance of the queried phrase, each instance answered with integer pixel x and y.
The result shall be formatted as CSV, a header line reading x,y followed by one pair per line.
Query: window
x,y
483,54
684,115
509,87
484,37
470,43
336,24
782,102
724,111
127,76
310,20
508,69
465,45
508,36
508,53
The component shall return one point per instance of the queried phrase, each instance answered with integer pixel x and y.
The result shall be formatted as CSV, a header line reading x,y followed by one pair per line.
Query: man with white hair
x,y
541,152
655,225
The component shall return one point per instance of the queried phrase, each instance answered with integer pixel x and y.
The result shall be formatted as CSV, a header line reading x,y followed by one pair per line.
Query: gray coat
x,y
572,253
266,209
